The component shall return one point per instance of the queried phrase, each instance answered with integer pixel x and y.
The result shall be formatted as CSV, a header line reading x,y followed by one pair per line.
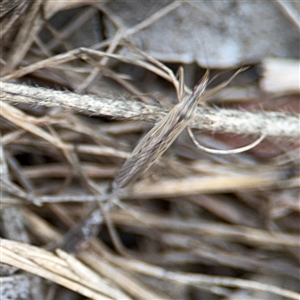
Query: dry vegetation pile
x,y
81,83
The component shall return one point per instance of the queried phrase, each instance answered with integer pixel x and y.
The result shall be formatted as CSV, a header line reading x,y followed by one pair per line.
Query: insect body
x,y
160,137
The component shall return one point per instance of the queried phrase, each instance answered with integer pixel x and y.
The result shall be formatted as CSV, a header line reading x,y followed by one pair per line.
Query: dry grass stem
x,y
272,124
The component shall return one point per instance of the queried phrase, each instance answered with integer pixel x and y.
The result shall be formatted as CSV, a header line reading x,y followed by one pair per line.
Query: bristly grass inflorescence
x,y
164,133
160,137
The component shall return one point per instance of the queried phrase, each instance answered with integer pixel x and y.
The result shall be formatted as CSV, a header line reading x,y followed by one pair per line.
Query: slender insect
x,y
160,137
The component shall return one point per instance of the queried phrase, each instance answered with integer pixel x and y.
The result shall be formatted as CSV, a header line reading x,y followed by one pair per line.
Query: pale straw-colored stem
x,y
271,124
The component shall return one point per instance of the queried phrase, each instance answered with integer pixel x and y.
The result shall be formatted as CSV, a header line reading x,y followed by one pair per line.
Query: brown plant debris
x,y
81,83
